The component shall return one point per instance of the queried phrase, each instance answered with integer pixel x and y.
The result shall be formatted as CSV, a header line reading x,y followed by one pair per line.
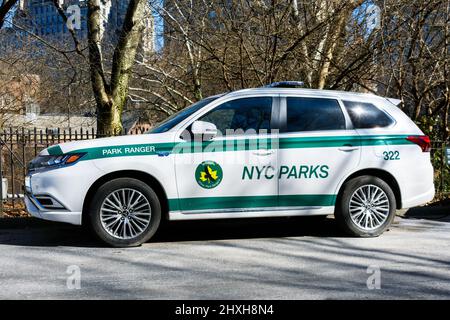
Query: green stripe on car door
x,y
237,145
338,141
318,142
232,202
385,140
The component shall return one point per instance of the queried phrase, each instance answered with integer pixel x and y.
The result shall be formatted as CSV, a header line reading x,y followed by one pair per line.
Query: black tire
x,y
342,212
95,216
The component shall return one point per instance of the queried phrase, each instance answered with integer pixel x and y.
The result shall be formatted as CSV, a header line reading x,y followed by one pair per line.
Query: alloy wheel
x,y
125,213
369,207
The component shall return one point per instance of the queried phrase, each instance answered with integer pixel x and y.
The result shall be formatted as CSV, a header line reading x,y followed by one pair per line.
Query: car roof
x,y
308,92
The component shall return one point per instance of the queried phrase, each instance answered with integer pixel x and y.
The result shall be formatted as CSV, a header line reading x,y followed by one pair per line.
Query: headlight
x,y
28,184
41,162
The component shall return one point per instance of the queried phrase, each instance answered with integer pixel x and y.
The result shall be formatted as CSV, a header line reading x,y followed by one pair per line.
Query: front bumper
x,y
59,216
66,187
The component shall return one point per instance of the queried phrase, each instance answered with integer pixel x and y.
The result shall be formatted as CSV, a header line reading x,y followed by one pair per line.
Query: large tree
x,y
109,76
111,94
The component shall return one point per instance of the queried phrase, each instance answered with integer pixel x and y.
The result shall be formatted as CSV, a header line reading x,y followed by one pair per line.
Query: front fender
x,y
162,168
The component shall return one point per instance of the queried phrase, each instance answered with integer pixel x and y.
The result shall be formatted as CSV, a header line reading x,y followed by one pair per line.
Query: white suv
x,y
264,152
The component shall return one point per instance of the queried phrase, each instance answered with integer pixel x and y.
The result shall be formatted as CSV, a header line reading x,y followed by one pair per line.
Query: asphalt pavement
x,y
282,258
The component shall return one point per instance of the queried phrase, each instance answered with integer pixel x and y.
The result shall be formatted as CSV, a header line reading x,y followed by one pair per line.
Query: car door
x,y
236,170
318,149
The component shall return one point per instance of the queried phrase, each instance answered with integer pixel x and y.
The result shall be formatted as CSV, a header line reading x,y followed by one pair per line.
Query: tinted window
x,y
366,115
313,114
176,118
242,114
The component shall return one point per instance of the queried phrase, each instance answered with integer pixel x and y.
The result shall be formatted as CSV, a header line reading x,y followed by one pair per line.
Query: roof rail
x,y
286,84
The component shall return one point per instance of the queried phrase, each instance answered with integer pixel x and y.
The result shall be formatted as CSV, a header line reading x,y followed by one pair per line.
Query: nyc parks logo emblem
x,y
208,174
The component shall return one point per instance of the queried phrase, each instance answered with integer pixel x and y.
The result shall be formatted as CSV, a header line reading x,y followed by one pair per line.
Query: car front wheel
x,y
125,212
366,207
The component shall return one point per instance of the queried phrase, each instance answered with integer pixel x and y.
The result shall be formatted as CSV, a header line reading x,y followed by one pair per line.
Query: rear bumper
x,y
419,200
59,216
417,185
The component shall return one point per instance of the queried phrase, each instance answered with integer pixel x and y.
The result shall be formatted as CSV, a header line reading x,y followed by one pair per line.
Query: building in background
x,y
50,123
19,94
42,18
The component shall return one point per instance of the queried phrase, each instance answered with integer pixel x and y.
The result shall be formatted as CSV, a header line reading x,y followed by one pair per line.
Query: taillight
x,y
422,141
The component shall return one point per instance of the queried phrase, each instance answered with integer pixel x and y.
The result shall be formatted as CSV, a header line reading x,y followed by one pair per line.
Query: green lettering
x,y
259,171
293,172
313,170
267,176
283,170
303,171
247,172
324,171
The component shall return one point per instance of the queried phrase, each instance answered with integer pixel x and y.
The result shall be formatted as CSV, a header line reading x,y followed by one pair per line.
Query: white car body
x,y
326,159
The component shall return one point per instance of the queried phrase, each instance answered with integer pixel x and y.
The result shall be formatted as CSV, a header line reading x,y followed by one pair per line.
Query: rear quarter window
x,y
366,115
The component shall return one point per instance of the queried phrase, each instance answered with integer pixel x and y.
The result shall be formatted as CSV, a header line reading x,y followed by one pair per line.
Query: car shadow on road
x,y
203,230
34,232
435,213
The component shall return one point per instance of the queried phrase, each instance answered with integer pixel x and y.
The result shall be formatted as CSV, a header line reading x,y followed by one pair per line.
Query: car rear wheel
x,y
125,212
366,207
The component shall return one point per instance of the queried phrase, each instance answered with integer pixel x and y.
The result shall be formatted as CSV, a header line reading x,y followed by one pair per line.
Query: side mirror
x,y
207,129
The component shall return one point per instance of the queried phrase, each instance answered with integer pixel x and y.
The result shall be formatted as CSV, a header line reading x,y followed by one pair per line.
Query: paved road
x,y
256,259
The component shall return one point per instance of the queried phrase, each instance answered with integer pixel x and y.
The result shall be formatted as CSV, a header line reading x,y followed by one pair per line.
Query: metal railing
x,y
19,146
441,166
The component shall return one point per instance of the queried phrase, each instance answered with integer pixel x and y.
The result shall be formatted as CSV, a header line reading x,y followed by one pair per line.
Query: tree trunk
x,y
332,37
332,42
111,96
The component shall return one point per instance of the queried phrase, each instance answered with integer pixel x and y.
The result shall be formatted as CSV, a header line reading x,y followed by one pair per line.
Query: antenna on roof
x,y
286,84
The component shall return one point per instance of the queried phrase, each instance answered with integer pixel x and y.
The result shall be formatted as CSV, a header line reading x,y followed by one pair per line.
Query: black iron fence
x,y
19,146
440,157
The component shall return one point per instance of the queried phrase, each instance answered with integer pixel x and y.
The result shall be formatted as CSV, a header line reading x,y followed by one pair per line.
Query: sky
x,y
159,27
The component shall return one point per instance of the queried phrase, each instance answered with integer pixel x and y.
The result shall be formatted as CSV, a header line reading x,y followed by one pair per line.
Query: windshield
x,y
176,118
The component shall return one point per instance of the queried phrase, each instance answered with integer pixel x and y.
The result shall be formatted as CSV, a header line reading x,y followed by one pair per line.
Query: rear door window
x,y
313,114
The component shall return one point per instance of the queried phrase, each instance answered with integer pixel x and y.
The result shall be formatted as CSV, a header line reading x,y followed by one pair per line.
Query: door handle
x,y
347,148
263,152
